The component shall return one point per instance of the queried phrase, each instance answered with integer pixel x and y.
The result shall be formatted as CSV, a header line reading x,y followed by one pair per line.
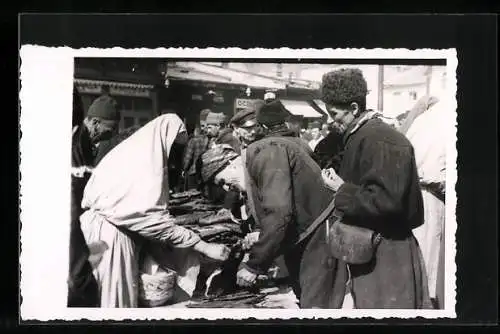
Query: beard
x,y
96,136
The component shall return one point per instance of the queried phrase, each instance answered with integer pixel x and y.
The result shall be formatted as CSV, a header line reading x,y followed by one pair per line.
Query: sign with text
x,y
240,104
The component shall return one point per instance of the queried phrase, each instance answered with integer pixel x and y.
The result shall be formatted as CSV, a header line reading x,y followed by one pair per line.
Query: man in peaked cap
x,y
377,187
245,125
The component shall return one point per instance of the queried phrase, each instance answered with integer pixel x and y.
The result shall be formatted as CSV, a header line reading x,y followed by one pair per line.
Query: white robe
x,y
127,200
428,136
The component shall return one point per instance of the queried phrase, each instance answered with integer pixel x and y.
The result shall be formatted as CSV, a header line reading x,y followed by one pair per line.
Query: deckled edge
x,y
45,314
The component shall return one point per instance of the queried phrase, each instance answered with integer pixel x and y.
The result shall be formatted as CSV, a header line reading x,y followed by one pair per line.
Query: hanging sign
x,y
240,104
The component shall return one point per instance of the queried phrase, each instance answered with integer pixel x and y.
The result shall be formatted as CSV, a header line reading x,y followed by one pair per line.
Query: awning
x,y
112,84
321,105
116,88
301,108
190,71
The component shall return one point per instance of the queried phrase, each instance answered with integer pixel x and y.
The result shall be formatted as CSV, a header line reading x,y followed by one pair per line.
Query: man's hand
x,y
80,171
213,251
245,278
250,239
331,179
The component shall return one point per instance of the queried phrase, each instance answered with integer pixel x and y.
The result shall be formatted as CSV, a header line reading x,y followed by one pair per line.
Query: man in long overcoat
x,y
377,187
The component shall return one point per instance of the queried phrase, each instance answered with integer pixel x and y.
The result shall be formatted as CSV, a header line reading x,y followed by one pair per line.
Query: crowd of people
x,y
305,192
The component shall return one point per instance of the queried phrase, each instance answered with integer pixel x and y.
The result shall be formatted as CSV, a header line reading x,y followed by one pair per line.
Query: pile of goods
x,y
215,224
211,222
277,297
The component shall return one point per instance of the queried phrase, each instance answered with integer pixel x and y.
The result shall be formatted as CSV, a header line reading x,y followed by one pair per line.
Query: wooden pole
x,y
428,80
380,104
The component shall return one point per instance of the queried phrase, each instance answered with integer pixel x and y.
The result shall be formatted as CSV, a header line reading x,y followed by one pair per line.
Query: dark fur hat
x,y
343,86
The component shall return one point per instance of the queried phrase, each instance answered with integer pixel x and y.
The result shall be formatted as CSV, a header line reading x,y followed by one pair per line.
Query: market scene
x,y
204,184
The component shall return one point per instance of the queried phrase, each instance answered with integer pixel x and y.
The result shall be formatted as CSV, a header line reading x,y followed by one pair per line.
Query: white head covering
x,y
131,182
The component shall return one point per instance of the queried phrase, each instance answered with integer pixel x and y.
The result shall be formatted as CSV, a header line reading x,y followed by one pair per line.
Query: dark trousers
x,y
318,280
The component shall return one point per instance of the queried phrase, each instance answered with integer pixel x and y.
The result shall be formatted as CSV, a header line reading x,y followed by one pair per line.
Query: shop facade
x,y
134,83
192,96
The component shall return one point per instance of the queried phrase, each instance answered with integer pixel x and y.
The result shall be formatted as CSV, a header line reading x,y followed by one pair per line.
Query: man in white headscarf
x,y
127,202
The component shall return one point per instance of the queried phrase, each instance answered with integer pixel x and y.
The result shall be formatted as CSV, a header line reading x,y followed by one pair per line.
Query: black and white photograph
x,y
253,183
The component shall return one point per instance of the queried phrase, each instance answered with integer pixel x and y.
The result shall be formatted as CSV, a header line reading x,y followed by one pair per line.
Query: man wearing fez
x,y
215,123
99,124
287,193
377,187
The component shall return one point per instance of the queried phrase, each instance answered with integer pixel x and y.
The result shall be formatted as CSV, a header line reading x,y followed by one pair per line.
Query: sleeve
x,y
162,229
188,155
385,176
271,172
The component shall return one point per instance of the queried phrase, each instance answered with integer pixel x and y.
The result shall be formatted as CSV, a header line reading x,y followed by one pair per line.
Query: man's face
x,y
342,117
250,133
101,129
232,176
212,130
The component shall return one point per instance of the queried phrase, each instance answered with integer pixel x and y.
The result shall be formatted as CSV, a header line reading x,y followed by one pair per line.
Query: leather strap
x,y
321,218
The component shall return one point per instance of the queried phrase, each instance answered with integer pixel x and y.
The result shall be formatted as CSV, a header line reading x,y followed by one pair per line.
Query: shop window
x,y
143,104
143,121
125,102
128,122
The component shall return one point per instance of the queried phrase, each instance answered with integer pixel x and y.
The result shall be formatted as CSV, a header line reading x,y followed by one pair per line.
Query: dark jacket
x,y
381,186
289,194
382,192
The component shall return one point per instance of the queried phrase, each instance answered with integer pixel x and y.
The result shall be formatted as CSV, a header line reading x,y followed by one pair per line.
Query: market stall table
x,y
215,224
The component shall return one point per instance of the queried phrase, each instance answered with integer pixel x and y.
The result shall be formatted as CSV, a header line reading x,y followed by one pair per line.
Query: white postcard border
x,y
46,99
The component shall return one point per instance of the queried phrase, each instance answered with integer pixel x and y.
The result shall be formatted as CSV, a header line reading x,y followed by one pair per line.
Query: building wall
x,y
399,99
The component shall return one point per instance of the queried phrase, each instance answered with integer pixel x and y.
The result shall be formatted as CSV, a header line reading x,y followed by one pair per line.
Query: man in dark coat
x,y
377,187
99,124
288,194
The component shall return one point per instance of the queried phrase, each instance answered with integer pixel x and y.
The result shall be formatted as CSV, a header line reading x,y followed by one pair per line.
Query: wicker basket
x,y
156,289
